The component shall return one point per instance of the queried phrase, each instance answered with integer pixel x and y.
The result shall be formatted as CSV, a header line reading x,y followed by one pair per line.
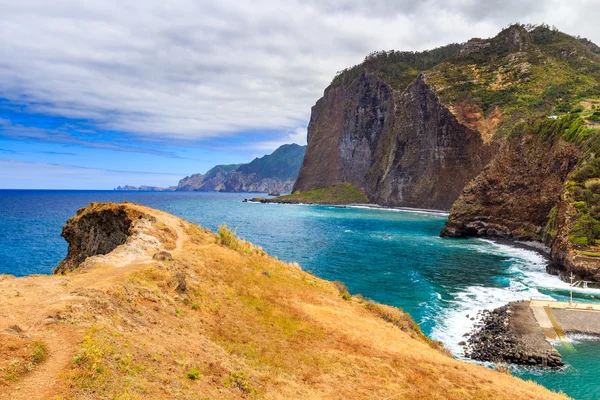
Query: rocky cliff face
x,y
96,229
513,196
273,172
402,149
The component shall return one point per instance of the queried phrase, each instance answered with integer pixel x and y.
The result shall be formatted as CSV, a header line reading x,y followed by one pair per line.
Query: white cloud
x,y
297,136
36,175
201,69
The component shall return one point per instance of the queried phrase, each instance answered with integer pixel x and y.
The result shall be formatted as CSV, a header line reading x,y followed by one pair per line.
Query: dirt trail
x,y
32,304
35,304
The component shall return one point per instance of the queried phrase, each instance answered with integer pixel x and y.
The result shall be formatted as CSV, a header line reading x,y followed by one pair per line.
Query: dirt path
x,y
32,303
43,382
29,304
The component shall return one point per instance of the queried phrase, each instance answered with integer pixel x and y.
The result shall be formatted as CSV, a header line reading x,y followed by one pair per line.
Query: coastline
x,y
264,200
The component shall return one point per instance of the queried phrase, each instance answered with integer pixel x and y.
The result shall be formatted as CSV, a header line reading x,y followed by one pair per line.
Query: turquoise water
x,y
392,257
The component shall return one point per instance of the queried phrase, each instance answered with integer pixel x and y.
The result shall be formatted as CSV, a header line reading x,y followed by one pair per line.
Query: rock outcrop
x,y
96,229
515,193
402,149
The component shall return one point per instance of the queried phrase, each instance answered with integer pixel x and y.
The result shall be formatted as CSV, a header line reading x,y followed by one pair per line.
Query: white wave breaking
x,y
527,276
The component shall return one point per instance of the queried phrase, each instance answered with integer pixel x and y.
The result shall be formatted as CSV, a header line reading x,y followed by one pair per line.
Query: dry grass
x,y
18,356
237,333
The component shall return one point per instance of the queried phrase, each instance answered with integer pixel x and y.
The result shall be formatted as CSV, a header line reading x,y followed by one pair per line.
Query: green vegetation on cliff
x,y
283,163
275,171
343,193
397,68
525,70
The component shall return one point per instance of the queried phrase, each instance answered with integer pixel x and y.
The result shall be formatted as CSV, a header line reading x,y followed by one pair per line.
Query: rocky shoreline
x,y
510,334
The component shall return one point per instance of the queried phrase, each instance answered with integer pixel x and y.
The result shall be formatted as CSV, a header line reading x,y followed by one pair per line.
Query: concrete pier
x,y
557,317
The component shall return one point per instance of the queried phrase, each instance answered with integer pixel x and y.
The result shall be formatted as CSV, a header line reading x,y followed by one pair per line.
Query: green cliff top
x,y
343,193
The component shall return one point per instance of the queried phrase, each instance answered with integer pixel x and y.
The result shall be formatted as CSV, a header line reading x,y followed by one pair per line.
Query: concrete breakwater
x,y
524,332
511,334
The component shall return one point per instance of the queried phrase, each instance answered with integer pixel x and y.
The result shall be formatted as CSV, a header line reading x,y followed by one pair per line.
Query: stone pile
x,y
494,340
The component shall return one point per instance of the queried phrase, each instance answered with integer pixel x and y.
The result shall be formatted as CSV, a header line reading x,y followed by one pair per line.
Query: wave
x,y
582,337
527,276
399,209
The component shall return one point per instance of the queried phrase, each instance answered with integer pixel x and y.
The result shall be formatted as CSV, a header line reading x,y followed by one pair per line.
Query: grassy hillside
x,y
216,317
526,71
343,193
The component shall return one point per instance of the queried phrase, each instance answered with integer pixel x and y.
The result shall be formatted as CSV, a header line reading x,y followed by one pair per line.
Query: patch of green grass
x,y
39,353
193,373
589,253
240,380
342,193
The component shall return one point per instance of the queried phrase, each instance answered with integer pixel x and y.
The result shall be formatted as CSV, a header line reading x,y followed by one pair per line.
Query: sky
x,y
100,93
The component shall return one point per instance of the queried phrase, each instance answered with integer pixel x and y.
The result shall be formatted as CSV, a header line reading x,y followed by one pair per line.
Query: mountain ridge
x,y
273,172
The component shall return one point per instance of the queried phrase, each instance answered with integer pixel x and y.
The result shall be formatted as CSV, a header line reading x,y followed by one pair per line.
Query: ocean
x,y
393,257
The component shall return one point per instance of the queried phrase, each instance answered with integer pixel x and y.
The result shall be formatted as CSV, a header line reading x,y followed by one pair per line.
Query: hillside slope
x,y
273,172
171,310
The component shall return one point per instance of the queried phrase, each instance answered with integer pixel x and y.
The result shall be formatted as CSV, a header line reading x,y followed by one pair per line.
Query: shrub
x,y
193,373
579,241
39,353
228,237
239,380
580,206
343,290
585,230
577,110
595,116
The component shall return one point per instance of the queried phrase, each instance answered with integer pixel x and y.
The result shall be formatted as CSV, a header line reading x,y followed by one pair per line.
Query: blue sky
x,y
103,93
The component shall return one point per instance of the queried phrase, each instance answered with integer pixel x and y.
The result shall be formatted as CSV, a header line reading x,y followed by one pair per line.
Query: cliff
x,y
492,129
273,172
156,307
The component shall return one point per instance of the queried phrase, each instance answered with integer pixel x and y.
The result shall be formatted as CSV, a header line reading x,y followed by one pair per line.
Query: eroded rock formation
x,y
96,229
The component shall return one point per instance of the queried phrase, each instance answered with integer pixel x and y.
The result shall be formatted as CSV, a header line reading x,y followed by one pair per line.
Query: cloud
x,y
193,70
35,175
66,134
297,136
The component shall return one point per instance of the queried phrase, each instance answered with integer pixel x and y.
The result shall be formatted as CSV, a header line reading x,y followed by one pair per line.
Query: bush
x,y
229,238
577,110
585,231
39,353
193,373
343,290
240,380
580,206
